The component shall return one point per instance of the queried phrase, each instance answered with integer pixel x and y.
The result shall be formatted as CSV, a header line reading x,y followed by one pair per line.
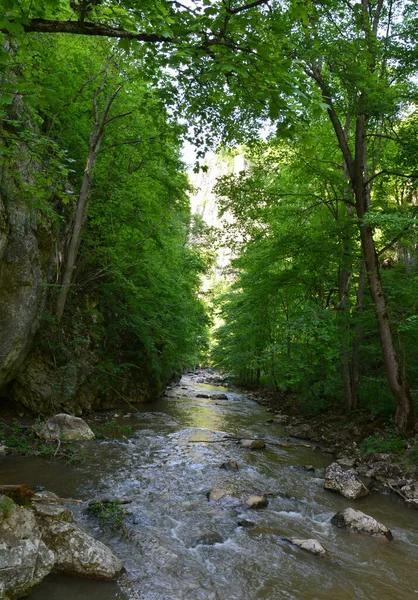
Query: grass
x,y
6,505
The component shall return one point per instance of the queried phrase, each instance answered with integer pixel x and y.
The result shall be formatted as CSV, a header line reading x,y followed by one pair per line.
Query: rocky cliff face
x,y
25,256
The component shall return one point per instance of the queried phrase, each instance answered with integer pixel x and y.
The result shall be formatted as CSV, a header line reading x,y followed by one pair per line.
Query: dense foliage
x,y
326,257
132,315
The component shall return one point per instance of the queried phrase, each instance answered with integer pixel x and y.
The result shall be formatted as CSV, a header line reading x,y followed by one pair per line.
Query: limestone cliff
x,y
26,244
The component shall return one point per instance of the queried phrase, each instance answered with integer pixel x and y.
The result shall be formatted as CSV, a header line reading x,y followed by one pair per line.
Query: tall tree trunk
x,y
76,233
96,136
397,381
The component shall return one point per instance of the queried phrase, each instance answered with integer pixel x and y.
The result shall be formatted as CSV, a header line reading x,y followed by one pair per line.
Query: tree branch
x,y
235,11
385,172
86,28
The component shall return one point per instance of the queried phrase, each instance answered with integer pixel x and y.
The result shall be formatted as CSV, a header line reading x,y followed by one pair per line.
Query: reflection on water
x,y
179,546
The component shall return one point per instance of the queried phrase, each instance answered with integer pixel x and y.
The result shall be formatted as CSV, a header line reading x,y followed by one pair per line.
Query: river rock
x,y
77,552
202,396
219,396
310,545
245,524
230,465
253,444
64,427
256,501
345,483
24,557
357,521
217,493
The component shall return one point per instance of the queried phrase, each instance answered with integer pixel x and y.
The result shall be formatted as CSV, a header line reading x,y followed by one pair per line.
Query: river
x,y
176,545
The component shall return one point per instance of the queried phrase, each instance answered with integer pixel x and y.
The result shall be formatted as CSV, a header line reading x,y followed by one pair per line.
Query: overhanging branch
x,y
87,28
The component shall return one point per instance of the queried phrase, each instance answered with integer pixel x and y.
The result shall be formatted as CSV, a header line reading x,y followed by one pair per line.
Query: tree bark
x,y
96,136
404,417
357,171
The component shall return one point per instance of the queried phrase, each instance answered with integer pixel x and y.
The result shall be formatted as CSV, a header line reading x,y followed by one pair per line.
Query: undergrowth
x,y
392,441
23,440
109,514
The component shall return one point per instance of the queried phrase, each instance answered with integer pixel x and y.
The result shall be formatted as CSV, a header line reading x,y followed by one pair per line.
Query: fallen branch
x,y
397,492
43,500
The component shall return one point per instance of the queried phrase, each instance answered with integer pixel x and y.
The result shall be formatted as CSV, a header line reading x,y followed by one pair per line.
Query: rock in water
x,y
64,427
24,558
230,465
256,501
202,396
357,521
76,552
310,545
219,397
253,444
217,494
345,483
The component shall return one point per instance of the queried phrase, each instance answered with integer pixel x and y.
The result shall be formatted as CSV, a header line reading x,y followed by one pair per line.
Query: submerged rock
x,y
64,427
252,444
357,521
310,545
230,465
24,557
345,483
245,524
256,501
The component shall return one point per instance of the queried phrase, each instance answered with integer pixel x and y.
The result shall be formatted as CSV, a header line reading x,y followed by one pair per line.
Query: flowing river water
x,y
177,545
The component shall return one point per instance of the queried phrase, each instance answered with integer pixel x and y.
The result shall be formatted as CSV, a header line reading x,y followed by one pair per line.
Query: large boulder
x,y
64,427
76,552
344,482
359,522
310,545
24,557
410,492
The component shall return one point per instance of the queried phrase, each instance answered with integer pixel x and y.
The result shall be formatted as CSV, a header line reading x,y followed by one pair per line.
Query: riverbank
x,y
361,441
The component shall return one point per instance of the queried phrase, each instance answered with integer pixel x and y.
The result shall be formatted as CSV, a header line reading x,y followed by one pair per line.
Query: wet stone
x,y
217,494
359,522
252,444
245,524
256,501
230,465
309,545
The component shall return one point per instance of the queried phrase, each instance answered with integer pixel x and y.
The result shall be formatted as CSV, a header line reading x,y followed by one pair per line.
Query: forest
x,y
208,299
97,99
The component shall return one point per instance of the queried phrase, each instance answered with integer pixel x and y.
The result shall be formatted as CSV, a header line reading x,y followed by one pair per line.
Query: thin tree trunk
x,y
96,136
76,234
355,364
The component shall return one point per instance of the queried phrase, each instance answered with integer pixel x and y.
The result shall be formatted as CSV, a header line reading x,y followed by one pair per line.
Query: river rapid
x,y
177,545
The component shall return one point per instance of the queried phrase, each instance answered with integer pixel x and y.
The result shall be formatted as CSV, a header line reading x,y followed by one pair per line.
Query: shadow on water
x,y
178,546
